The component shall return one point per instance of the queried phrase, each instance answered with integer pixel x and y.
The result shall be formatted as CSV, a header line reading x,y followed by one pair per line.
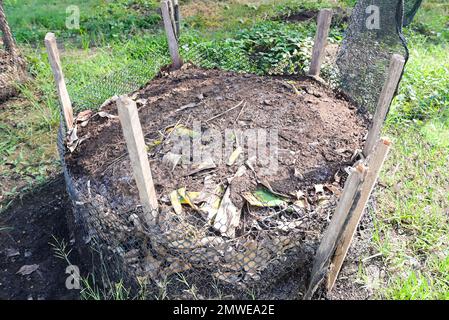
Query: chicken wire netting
x,y
184,257
188,256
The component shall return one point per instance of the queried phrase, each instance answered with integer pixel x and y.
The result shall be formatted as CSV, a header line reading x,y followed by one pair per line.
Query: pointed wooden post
x,y
63,94
132,131
171,37
330,238
375,163
397,63
319,47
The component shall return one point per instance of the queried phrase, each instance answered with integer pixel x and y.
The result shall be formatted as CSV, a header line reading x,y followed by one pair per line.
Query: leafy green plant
x,y
276,48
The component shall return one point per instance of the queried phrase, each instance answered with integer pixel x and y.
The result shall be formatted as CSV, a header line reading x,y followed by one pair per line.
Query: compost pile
x,y
227,219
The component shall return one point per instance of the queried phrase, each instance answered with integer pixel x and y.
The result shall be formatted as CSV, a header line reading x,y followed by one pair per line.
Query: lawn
x,y
411,221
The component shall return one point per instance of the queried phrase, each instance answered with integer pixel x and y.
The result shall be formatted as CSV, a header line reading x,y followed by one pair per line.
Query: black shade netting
x,y
410,9
373,36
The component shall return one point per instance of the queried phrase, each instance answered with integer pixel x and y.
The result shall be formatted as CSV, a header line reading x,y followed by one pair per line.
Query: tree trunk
x,y
11,46
8,40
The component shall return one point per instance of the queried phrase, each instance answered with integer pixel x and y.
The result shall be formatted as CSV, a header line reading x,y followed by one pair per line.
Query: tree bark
x,y
8,40
10,45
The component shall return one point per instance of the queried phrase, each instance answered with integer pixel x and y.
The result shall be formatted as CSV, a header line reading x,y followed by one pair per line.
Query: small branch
x,y
223,113
240,113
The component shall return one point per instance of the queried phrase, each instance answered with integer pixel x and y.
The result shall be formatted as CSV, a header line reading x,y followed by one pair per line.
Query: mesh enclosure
x,y
191,256
373,35
181,258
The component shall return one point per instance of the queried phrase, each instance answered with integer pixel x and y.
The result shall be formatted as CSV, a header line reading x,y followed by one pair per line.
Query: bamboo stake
x,y
375,163
171,37
397,63
323,26
332,233
63,94
132,131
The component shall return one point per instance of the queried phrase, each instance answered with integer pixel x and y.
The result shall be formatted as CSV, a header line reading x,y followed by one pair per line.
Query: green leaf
x,y
264,198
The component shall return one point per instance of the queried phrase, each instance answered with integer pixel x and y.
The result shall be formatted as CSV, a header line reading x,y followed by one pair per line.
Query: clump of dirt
x,y
318,130
245,215
27,229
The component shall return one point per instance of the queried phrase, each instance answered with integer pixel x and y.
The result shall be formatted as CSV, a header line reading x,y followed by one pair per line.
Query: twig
x,y
113,163
240,113
223,113
372,257
174,128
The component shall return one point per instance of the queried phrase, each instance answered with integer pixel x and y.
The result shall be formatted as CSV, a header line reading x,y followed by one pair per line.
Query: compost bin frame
x,y
358,188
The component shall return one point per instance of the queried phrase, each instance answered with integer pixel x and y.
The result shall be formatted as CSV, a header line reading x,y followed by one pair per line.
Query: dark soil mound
x,y
318,130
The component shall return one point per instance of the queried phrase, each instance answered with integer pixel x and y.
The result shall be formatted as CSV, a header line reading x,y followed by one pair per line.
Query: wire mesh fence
x,y
197,256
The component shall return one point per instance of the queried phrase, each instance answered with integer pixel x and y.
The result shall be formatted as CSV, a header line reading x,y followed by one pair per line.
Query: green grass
x,y
412,220
425,88
432,21
100,20
411,227
224,17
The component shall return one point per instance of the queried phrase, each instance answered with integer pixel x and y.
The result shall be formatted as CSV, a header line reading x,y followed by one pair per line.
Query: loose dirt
x,y
318,131
28,228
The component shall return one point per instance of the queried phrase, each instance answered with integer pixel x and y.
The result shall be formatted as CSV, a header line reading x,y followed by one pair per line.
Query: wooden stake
x,y
172,42
397,63
177,18
329,241
171,11
324,23
63,94
375,163
132,130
